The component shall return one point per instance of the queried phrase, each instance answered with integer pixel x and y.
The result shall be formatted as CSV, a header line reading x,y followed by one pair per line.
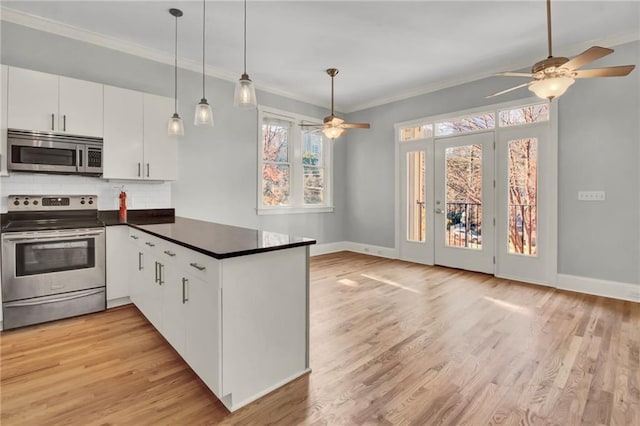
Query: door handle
x,y
64,122
53,121
156,270
140,261
198,267
150,244
185,290
147,169
169,253
160,273
133,236
139,170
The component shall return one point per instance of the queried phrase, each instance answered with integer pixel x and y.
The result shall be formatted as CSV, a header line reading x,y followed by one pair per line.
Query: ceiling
x,y
385,50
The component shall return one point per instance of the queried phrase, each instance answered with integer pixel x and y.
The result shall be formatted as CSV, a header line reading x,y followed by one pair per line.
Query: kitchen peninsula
x,y
233,302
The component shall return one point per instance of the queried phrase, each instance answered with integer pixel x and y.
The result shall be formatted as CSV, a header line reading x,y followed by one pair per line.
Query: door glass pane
x,y
523,196
45,257
416,217
464,196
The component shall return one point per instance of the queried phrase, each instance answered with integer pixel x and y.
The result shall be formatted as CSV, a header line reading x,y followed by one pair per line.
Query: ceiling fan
x,y
333,126
553,76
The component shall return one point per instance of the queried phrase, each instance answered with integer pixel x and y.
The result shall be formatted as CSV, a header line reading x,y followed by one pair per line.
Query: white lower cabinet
x,y
118,272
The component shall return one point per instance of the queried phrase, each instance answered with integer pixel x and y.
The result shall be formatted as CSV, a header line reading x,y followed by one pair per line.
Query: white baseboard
x,y
319,249
114,303
613,289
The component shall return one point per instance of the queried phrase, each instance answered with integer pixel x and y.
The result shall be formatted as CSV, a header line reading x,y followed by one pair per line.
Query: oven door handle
x,y
42,301
50,236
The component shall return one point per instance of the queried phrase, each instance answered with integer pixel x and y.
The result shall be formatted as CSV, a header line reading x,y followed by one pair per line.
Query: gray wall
x,y
217,166
599,137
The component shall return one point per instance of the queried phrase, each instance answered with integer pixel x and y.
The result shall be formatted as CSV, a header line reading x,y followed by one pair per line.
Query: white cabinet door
x,y
33,100
123,133
81,107
174,309
117,262
137,274
4,74
160,149
203,309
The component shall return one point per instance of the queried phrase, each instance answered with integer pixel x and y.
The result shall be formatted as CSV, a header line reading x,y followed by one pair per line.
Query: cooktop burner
x,y
50,212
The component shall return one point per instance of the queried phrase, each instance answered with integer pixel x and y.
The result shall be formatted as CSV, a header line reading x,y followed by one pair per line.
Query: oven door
x,y
50,262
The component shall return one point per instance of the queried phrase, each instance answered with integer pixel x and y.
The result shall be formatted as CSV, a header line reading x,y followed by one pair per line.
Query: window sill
x,y
295,210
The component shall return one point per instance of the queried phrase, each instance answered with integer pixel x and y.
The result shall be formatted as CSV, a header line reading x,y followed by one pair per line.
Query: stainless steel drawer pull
x,y
133,236
140,261
147,169
169,253
139,170
53,119
64,123
156,277
185,290
150,244
198,267
160,273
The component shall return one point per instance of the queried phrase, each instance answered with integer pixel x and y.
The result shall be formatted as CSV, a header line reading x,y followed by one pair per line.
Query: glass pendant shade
x,y
204,114
550,88
175,126
245,94
333,132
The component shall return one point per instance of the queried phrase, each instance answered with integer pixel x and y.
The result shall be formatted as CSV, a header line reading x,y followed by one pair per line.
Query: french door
x,y
464,202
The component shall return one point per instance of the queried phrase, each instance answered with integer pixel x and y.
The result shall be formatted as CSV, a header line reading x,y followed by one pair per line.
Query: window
x,y
524,115
416,132
294,164
523,196
466,124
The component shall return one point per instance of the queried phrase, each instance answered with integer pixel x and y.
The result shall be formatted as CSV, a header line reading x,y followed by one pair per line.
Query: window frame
x,y
296,176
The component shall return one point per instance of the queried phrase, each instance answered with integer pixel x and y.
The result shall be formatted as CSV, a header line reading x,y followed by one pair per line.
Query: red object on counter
x,y
123,207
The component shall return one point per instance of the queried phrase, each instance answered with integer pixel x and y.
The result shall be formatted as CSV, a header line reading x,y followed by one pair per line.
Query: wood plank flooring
x,y
391,343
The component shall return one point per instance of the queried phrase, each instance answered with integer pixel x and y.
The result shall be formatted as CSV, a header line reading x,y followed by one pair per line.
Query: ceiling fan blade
x,y
355,125
515,74
620,71
508,90
591,54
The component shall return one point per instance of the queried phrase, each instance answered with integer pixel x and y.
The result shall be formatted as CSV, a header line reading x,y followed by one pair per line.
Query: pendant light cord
x,y
549,26
175,81
245,36
204,2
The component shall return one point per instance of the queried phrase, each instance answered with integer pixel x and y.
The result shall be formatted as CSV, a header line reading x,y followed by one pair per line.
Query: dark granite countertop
x,y
212,239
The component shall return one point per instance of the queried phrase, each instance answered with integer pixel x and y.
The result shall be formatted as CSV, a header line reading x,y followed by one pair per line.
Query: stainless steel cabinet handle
x,y
185,290
133,236
150,244
140,261
156,267
53,120
147,169
138,169
64,123
169,253
198,267
160,273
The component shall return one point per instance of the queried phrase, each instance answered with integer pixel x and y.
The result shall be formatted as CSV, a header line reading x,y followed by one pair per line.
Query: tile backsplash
x,y
140,195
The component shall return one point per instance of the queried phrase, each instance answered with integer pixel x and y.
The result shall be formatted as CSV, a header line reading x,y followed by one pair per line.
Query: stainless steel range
x,y
53,259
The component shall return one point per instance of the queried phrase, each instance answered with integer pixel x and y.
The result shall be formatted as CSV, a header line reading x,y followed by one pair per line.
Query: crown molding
x,y
69,31
611,41
59,28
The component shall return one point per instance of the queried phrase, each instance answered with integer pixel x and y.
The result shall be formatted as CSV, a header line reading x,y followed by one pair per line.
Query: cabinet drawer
x,y
199,265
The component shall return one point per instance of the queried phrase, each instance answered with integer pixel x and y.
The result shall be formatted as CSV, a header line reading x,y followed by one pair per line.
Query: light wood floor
x,y
391,343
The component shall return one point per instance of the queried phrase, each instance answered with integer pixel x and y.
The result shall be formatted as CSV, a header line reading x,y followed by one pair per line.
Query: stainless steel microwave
x,y
30,151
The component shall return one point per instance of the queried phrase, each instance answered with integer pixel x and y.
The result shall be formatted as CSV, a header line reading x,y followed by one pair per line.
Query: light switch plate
x,y
591,195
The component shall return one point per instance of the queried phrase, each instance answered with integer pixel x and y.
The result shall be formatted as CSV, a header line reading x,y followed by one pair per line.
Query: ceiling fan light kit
x,y
553,76
175,126
204,114
244,96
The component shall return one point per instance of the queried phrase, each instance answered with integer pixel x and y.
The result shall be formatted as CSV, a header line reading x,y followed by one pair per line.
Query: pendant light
x,y
245,94
175,126
204,114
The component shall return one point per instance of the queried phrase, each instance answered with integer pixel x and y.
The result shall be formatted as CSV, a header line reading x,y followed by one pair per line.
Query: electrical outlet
x,y
591,195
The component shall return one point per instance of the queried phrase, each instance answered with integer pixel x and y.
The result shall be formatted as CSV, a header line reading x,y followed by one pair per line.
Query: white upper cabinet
x,y
137,145
33,100
80,107
50,103
123,133
160,149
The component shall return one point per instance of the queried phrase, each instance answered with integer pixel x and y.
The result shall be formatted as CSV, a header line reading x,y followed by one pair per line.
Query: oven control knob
x,y
16,203
26,203
35,202
90,201
82,202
